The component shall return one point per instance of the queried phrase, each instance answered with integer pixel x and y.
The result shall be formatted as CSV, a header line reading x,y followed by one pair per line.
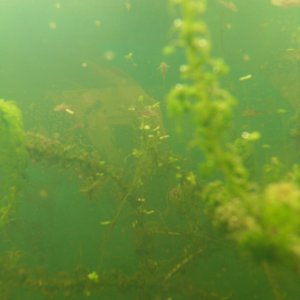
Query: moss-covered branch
x,y
13,158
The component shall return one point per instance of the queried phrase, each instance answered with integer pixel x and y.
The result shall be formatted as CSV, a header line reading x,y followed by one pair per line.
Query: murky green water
x,y
109,203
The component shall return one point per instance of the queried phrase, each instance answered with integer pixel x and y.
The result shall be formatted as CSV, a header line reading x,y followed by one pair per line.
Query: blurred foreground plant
x,y
263,218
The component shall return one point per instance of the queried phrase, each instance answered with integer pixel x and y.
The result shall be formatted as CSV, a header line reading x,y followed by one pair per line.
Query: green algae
x,y
12,157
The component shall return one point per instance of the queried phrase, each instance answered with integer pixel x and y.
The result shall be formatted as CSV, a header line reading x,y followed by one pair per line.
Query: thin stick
x,y
182,264
272,282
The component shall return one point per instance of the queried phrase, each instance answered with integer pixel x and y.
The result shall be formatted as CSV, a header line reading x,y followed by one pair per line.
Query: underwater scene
x,y
150,149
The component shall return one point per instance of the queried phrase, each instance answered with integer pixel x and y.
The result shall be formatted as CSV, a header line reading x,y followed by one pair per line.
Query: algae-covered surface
x,y
149,149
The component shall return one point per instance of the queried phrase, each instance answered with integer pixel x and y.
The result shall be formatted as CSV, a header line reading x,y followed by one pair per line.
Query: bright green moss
x,y
12,157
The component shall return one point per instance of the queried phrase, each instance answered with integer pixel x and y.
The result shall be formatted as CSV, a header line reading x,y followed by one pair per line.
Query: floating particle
x,y
286,3
163,137
229,5
127,5
146,127
52,25
184,69
148,212
245,135
108,222
249,113
246,57
134,223
93,276
109,55
156,128
251,136
69,111
266,146
228,26
57,5
281,111
63,108
246,77
141,99
97,23
168,50
60,107
84,65
43,193
129,56
177,24
292,54
87,293
56,135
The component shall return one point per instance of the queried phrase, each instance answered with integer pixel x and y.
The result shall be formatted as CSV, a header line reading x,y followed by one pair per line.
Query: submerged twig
x,y
182,264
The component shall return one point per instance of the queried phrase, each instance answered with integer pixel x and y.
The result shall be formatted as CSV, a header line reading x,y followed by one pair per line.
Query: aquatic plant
x,y
161,201
262,218
90,171
12,157
151,218
209,105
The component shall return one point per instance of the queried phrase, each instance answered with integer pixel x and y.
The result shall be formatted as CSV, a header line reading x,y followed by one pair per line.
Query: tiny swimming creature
x,y
163,67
